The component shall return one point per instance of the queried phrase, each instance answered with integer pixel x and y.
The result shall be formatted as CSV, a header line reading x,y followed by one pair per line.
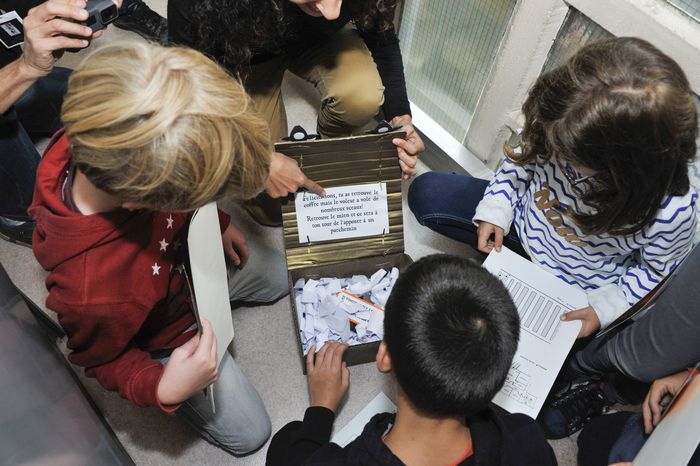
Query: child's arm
x,y
103,344
235,246
508,185
669,240
328,380
191,368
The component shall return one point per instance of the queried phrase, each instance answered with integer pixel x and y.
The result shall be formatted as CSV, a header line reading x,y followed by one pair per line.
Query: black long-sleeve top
x,y
305,32
512,440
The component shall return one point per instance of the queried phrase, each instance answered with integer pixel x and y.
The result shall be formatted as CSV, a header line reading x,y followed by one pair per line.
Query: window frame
x,y
523,52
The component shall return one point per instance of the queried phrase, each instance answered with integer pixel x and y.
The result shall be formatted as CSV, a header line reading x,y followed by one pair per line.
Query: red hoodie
x,y
115,282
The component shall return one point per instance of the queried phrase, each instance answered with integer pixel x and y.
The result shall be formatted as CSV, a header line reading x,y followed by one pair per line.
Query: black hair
x,y
624,110
451,330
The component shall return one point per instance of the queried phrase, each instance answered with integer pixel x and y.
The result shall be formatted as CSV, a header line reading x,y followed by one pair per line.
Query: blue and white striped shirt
x,y
615,271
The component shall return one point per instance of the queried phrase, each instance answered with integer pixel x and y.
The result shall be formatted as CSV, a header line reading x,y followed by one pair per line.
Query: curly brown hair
x,y
624,111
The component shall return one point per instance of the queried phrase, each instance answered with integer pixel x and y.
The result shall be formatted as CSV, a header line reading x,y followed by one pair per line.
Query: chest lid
x,y
344,162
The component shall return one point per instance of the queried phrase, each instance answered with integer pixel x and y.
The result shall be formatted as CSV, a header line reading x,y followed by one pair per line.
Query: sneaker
x,y
572,409
139,18
17,232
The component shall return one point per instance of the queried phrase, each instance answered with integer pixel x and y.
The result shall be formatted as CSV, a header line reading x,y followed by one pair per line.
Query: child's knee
x,y
254,435
273,276
421,190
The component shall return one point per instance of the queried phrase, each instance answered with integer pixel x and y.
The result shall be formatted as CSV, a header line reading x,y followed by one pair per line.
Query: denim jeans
x,y
241,423
36,113
630,441
446,202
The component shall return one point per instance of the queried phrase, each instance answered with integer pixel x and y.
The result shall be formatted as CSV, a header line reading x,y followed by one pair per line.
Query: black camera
x,y
100,14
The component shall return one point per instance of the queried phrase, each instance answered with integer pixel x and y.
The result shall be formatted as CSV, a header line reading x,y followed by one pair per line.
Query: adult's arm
x,y
387,56
45,32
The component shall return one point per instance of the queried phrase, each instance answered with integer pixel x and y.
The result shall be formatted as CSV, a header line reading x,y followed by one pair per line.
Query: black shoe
x,y
139,18
571,410
19,234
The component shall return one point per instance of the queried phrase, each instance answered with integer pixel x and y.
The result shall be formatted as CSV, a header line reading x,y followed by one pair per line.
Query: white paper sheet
x,y
544,340
209,278
380,404
344,212
676,437
11,30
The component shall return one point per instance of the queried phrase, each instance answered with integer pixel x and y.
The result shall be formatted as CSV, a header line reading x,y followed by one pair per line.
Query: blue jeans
x,y
36,113
446,202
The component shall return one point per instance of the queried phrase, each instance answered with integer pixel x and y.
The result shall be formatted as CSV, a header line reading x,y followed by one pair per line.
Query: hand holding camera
x,y
58,25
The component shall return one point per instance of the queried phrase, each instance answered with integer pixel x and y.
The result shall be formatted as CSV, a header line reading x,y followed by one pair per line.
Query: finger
x,y
409,159
497,239
579,314
406,170
655,411
190,346
417,143
62,43
321,355
59,26
243,253
483,234
410,146
646,414
328,360
53,9
310,360
206,337
338,352
314,187
345,375
231,253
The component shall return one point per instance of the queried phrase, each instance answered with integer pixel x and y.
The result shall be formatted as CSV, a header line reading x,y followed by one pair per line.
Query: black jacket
x,y
512,440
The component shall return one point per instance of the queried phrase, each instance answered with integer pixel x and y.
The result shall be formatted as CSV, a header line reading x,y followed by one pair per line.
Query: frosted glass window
x,y
577,30
448,49
689,7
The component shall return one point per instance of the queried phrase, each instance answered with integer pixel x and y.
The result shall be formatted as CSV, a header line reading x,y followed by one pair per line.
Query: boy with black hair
x,y
450,334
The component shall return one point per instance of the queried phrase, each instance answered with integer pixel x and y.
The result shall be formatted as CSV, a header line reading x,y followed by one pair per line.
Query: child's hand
x,y
652,408
235,246
484,241
191,368
286,177
328,376
589,320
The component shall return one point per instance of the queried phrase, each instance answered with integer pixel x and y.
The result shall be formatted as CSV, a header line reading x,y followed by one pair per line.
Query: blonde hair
x,y
164,127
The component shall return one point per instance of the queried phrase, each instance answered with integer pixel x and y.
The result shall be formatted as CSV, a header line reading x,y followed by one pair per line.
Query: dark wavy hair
x,y
625,111
234,31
